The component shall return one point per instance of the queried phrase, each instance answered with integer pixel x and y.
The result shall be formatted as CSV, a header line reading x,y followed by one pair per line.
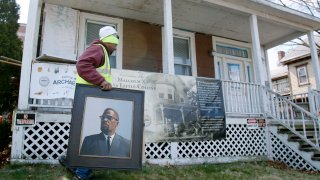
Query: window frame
x,y
221,60
177,33
84,17
306,74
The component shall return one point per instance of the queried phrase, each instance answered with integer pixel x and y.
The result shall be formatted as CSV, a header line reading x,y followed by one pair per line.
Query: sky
x,y
272,53
24,7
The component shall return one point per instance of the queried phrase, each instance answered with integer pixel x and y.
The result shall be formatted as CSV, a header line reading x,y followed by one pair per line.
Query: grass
x,y
239,170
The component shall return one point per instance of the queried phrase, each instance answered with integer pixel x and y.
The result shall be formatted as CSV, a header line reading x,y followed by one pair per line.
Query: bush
x,y
5,133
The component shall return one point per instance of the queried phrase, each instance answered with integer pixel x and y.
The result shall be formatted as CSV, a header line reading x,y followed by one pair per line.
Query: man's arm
x,y
86,66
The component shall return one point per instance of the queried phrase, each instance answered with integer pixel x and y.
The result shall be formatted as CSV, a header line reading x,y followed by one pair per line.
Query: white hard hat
x,y
106,31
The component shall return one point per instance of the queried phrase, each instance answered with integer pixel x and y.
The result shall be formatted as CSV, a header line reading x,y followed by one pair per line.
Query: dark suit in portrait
x,y
97,145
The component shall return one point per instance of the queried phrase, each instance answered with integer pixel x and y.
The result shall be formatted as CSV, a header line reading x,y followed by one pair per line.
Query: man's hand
x,y
105,85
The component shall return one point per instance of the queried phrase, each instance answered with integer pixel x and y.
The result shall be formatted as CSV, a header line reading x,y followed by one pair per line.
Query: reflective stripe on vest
x,y
104,70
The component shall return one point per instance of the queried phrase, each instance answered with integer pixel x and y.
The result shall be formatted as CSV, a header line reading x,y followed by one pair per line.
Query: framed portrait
x,y
106,128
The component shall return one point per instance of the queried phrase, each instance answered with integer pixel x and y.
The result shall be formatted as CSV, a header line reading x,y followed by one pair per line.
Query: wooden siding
x,y
142,46
204,59
142,49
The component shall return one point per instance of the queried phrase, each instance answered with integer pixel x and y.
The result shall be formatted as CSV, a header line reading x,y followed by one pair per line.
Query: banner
x,y
51,81
177,108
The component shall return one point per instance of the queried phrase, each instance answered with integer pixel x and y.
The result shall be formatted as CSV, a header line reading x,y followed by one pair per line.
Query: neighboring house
x,y
279,78
280,81
21,31
301,72
301,75
189,39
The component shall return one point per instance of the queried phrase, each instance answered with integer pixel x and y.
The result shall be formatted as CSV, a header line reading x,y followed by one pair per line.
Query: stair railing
x,y
293,117
314,101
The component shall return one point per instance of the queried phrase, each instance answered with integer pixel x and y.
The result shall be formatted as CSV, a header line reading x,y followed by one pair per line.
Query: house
x,y
165,45
279,78
21,31
301,73
280,81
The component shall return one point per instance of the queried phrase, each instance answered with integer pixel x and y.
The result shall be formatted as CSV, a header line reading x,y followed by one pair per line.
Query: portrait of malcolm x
x,y
107,142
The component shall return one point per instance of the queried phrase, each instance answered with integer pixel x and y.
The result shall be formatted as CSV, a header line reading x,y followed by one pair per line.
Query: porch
x,y
223,41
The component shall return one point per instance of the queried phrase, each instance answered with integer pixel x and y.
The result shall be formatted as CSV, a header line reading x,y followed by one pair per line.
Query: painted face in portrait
x,y
109,122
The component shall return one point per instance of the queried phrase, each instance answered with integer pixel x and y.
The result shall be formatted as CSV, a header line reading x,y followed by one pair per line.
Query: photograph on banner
x,y
172,111
52,81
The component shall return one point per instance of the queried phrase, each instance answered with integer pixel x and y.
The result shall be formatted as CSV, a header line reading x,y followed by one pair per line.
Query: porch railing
x,y
242,98
281,87
299,121
314,101
59,104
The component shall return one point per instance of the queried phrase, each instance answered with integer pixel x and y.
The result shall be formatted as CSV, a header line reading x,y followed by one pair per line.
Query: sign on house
x,y
51,81
25,119
253,123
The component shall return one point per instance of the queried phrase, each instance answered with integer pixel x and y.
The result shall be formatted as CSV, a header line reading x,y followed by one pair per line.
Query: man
x,y
93,65
93,68
107,143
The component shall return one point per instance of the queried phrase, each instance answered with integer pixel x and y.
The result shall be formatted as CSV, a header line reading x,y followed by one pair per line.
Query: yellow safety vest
x,y
104,70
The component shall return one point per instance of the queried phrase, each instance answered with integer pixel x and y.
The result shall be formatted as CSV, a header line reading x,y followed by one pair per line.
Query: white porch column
x,y
29,52
256,49
268,68
168,59
257,59
314,59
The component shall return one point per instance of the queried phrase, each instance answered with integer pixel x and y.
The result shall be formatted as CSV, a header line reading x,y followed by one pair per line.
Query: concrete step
x,y
291,136
300,127
301,141
316,159
307,149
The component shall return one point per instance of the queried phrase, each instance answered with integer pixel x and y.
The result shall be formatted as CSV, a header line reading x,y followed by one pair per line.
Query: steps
x,y
303,146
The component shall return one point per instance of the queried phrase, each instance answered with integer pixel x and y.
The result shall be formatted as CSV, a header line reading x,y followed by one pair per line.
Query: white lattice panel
x,y
240,141
281,152
160,150
45,140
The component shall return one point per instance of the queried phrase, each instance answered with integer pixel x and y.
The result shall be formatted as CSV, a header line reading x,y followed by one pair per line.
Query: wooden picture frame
x,y
97,113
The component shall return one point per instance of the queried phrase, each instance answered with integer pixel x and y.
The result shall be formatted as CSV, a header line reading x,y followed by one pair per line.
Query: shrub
x,y
5,133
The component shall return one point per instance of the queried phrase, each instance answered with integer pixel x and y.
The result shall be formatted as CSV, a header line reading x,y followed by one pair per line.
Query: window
x,y
281,85
233,72
302,75
182,60
232,51
89,30
183,52
161,95
232,60
92,33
